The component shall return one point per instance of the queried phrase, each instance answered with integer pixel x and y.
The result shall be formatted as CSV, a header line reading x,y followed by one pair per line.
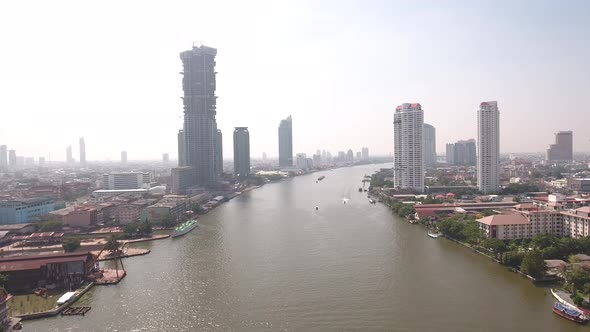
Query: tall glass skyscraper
x,y
241,152
200,126
286,143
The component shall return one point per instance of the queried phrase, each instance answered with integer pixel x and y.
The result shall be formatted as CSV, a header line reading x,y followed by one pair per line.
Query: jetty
x,y
75,311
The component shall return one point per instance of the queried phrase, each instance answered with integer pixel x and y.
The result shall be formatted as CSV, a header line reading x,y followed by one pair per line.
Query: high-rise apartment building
x,y
69,158
199,103
82,151
3,157
12,158
429,145
286,142
165,158
563,148
219,152
123,156
241,152
408,155
488,147
181,149
364,153
462,153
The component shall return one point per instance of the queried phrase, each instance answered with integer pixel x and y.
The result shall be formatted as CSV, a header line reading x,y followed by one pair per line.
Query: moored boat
x,y
569,313
184,228
321,178
434,235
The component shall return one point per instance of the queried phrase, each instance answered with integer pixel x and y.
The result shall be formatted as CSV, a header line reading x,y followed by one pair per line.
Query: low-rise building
x,y
127,213
77,216
168,206
24,210
63,270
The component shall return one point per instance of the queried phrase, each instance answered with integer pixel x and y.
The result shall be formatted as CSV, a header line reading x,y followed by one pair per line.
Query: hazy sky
x,y
109,71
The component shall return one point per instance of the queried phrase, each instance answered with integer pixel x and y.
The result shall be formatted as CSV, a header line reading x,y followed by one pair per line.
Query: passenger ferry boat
x,y
184,228
569,313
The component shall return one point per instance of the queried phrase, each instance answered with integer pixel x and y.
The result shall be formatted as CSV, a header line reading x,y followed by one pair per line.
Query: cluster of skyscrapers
x,y
200,142
414,141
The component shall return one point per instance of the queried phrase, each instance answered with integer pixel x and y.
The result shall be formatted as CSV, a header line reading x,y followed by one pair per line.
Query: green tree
x,y
71,245
145,228
471,232
512,258
496,245
4,279
112,244
131,229
452,228
50,226
577,278
487,212
544,240
533,264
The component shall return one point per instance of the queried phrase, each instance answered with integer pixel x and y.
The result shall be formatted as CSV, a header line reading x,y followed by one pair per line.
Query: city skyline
x,y
448,82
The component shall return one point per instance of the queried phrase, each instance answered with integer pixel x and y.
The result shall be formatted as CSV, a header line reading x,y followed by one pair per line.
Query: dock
x,y
75,311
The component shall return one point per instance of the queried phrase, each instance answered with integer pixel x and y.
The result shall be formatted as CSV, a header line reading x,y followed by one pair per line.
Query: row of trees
x,y
403,210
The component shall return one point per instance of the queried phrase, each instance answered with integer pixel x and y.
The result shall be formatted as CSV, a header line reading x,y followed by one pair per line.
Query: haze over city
x,y
109,72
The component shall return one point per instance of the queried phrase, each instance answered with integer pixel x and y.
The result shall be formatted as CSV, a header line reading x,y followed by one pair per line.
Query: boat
x,y
569,313
321,178
360,190
435,235
65,298
372,201
184,228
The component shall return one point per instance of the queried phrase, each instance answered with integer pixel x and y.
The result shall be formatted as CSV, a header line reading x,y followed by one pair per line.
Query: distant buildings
x,y
123,157
408,157
12,158
82,151
462,153
301,161
562,149
165,158
488,147
181,179
199,135
286,142
349,156
241,152
364,153
429,145
69,158
3,157
22,211
126,180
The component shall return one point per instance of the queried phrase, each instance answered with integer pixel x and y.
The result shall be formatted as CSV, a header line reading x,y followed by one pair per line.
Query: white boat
x,y
65,298
434,235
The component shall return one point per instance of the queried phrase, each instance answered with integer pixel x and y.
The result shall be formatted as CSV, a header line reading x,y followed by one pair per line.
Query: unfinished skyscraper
x,y
200,127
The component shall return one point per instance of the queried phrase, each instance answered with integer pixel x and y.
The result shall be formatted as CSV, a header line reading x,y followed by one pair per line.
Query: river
x,y
267,260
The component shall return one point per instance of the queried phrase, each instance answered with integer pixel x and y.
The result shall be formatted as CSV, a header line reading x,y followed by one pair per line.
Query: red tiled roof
x,y
22,263
504,219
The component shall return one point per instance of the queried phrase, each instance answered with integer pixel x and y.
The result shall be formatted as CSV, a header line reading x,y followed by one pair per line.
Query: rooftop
x,y
504,220
20,263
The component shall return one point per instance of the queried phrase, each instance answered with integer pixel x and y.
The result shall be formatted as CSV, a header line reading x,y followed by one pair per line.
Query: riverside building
x,y
408,156
488,147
